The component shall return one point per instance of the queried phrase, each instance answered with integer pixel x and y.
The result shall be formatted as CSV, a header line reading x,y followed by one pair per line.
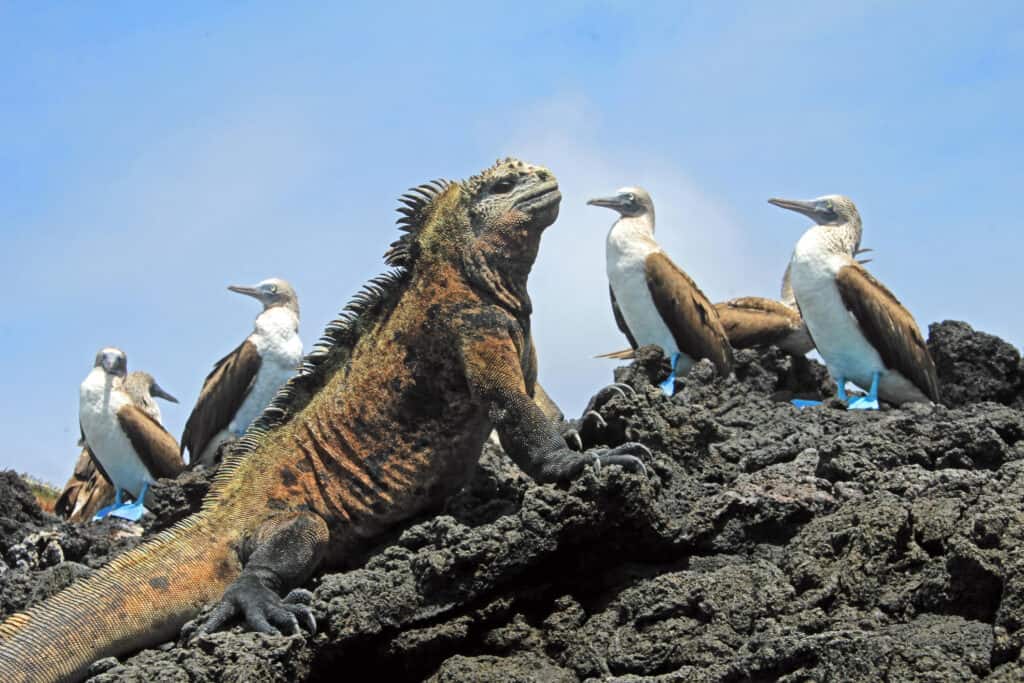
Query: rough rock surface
x,y
768,543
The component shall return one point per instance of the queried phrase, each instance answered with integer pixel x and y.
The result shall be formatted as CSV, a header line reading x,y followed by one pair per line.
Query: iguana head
x,y
488,225
510,204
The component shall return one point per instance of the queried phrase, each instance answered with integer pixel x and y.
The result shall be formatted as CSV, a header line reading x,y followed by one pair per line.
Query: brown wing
x,y
889,327
156,448
83,470
688,314
619,320
222,394
754,322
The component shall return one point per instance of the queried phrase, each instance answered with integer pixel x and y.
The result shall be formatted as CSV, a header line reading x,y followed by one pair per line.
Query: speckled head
x,y
627,201
835,214
112,360
830,209
271,292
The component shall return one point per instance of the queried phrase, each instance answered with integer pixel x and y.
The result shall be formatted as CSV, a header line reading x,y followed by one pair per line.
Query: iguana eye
x,y
502,186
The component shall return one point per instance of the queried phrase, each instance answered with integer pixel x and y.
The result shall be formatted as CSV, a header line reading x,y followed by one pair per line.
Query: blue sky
x,y
151,155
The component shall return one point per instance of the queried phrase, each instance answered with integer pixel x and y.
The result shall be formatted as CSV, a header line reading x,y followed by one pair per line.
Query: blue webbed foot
x,y
804,402
104,511
869,402
863,403
668,386
130,511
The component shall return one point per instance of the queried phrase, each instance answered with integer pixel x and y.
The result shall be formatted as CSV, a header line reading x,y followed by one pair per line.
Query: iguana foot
x,y
624,456
261,608
608,392
573,439
592,421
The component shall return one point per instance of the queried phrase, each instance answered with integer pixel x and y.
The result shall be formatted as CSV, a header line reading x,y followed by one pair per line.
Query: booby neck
x,y
841,239
100,380
276,321
633,233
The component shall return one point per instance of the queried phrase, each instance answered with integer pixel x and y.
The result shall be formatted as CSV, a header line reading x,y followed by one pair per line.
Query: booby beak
x,y
254,292
812,208
615,203
158,391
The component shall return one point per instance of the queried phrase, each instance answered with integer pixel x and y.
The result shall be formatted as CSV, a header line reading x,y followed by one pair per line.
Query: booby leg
x,y
841,390
104,511
869,402
669,385
132,511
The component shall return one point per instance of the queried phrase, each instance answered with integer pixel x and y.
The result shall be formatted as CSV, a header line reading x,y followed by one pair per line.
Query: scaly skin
x,y
386,419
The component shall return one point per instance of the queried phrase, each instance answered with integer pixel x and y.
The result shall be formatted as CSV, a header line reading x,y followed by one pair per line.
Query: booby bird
x,y
130,448
859,327
244,382
653,300
757,322
88,489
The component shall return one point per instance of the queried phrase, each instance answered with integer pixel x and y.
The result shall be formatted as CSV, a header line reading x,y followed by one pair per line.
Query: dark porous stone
x,y
766,544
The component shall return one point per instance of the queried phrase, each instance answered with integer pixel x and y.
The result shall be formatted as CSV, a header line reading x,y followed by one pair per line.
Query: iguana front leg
x,y
285,553
532,440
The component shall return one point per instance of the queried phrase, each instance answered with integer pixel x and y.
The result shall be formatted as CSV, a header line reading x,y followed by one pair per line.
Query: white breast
x,y
835,331
628,246
280,348
98,404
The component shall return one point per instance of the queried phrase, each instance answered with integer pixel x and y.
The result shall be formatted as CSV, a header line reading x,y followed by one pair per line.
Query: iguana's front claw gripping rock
x,y
625,456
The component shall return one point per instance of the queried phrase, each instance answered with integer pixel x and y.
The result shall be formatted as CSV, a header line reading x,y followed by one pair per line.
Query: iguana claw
x,y
573,439
594,418
261,609
624,456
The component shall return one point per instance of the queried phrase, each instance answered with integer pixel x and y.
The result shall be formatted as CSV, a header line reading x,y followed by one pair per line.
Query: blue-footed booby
x,y
130,448
88,489
244,382
859,327
653,300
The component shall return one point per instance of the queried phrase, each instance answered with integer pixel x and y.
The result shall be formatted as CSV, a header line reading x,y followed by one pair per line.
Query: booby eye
x,y
272,289
631,197
502,186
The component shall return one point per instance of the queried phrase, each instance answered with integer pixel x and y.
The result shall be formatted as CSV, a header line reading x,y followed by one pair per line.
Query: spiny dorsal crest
x,y
415,210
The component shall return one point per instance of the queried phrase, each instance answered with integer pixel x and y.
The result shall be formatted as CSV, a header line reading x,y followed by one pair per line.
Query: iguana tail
x,y
141,598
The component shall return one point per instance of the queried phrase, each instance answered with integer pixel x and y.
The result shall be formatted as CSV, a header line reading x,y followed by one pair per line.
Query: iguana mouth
x,y
541,197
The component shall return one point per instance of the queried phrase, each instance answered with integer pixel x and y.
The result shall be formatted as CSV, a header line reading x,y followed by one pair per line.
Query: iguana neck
x,y
502,280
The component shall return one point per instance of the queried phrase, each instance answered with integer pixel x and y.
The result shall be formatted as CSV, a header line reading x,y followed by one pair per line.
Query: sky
x,y
153,153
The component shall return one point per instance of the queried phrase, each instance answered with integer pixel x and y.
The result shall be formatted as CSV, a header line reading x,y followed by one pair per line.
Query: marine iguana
x,y
386,417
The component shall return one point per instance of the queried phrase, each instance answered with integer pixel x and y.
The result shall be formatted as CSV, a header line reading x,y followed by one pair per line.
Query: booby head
x,y
831,209
628,202
271,292
836,213
113,361
145,382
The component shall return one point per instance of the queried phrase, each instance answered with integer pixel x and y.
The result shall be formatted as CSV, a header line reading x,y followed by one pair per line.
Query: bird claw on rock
x,y
260,608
